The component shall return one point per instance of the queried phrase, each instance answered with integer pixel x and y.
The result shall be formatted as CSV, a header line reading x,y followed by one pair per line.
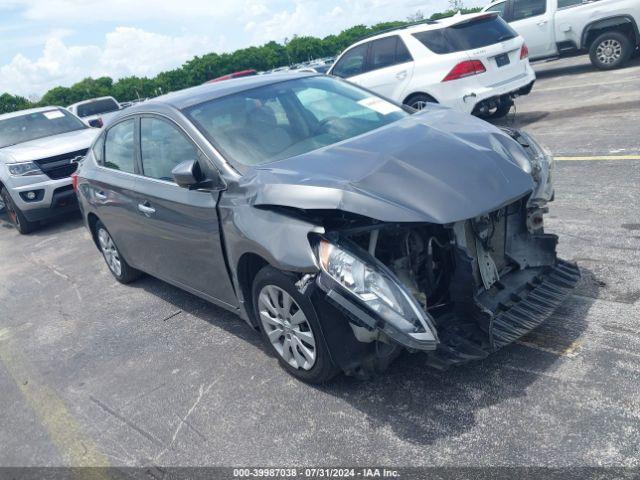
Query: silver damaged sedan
x,y
346,228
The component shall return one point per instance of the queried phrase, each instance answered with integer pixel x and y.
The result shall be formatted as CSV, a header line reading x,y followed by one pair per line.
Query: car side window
x,y
386,52
402,52
527,8
98,149
569,3
163,147
352,62
499,7
382,53
119,147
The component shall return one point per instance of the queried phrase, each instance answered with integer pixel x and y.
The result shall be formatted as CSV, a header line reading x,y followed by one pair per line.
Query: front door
x,y
180,240
533,20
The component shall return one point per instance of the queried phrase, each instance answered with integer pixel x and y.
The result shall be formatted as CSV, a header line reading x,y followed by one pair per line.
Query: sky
x,y
46,43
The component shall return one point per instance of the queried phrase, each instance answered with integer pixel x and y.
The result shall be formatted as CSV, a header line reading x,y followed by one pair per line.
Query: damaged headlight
x,y
23,169
533,158
541,169
376,289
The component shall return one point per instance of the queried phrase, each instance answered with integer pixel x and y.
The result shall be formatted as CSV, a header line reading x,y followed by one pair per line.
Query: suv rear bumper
x,y
466,99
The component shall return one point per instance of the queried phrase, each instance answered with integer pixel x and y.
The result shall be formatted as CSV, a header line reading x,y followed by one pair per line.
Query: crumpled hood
x,y
438,166
49,146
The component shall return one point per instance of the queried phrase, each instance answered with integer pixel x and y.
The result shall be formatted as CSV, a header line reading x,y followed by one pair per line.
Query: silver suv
x,y
39,150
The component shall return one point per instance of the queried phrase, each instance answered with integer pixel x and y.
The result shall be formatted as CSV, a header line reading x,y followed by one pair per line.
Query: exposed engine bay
x,y
482,282
479,283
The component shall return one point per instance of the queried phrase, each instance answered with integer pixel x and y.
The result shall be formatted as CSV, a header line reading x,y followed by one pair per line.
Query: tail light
x,y
96,123
465,69
74,181
524,51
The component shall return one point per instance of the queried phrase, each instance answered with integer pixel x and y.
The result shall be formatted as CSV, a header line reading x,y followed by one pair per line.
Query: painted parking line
x,y
76,448
599,157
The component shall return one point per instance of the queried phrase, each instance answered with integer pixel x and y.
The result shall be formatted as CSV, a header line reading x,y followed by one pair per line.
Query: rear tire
x,y
290,327
18,219
610,50
118,266
419,101
503,109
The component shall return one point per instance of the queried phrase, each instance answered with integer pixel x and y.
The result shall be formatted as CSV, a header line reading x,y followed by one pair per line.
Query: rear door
x,y
533,20
112,192
179,239
383,65
389,67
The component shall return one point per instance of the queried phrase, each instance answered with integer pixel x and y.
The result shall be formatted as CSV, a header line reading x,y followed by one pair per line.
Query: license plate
x,y
502,60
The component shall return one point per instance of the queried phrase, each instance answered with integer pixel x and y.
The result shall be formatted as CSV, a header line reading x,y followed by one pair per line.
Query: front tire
x,y
16,216
118,266
290,327
610,50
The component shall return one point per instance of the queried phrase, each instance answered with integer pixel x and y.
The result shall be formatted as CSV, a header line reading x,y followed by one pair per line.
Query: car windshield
x,y
35,125
97,107
289,118
475,33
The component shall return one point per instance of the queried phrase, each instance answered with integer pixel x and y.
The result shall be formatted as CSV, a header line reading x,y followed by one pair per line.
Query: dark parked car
x,y
344,227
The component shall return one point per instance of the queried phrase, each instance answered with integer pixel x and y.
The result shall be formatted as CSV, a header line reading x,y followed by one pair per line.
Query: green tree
x,y
11,103
211,65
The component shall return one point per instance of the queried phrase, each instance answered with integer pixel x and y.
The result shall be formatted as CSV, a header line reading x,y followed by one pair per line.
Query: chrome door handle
x,y
542,22
100,195
145,209
401,75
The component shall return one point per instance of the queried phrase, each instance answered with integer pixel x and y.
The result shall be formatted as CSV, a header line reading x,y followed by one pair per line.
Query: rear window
x,y
467,36
97,107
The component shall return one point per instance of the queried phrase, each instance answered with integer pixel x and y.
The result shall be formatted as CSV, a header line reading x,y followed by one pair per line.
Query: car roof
x,y
426,25
209,91
92,100
19,113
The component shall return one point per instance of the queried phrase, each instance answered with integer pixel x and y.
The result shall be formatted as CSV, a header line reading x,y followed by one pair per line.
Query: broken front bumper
x,y
527,298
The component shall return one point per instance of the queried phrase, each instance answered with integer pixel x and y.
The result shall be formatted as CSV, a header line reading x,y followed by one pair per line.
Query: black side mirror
x,y
188,174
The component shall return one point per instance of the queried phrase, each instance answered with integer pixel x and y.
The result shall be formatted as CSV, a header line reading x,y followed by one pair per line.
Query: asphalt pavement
x,y
96,373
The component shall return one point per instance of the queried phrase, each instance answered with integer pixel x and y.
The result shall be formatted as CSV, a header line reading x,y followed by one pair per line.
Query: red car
x,y
242,73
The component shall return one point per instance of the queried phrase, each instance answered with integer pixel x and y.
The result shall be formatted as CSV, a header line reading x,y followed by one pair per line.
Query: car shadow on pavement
x,y
563,70
63,223
190,304
421,404
417,402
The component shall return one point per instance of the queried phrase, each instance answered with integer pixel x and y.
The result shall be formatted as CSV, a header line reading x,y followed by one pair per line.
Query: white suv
x,y
475,63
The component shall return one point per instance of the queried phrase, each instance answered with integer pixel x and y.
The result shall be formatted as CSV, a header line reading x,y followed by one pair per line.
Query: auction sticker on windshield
x,y
379,105
53,114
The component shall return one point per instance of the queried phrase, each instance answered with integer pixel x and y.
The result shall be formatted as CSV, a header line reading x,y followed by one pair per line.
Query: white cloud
x,y
42,54
127,51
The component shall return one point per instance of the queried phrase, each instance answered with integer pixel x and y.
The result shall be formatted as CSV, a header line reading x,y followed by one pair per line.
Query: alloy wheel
x,y
110,252
609,51
287,327
419,105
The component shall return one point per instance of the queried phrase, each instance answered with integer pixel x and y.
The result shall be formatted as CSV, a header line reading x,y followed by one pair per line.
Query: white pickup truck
x,y
607,29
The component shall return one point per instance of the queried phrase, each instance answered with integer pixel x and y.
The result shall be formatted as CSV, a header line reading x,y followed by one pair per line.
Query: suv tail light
x,y
524,51
465,69
74,181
